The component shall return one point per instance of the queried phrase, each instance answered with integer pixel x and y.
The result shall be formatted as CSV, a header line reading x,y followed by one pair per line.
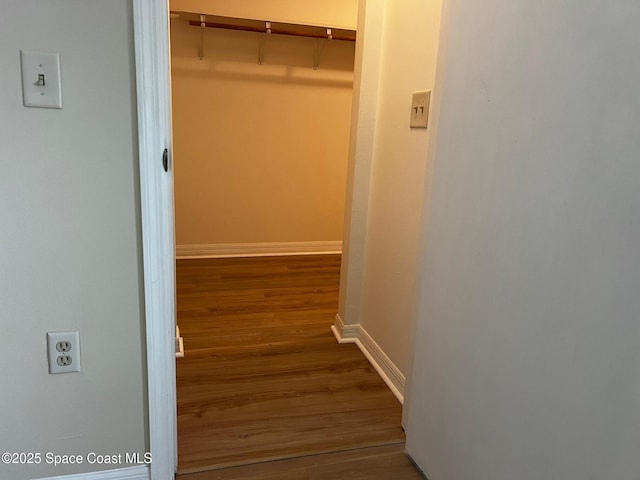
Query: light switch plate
x,y
420,109
41,79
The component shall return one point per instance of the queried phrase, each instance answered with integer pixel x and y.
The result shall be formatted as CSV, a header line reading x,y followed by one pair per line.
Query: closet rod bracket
x,y
262,42
203,26
320,44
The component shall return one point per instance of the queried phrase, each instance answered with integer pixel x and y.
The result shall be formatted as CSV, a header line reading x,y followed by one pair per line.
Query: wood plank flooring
x,y
372,463
263,377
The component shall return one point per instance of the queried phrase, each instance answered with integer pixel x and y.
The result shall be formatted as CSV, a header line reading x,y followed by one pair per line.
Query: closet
x,y
261,124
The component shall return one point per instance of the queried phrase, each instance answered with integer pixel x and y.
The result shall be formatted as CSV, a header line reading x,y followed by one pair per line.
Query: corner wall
x,y
399,183
70,253
388,179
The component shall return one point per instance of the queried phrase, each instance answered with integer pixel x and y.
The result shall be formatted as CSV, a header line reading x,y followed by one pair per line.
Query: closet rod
x,y
276,28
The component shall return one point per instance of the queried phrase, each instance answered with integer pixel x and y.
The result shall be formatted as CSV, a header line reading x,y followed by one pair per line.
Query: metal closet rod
x,y
277,28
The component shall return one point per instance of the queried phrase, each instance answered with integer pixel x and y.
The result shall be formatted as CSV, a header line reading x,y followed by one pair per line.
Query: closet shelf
x,y
259,26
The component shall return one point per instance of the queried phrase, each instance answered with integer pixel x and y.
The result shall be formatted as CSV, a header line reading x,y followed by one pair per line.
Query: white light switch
x,y
41,79
420,109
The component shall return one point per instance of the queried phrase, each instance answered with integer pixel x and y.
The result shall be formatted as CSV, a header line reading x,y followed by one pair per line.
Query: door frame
x,y
152,66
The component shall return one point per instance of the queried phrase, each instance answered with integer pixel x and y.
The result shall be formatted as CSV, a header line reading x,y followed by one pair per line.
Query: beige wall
x,y
399,167
260,151
330,13
389,173
528,359
361,145
70,237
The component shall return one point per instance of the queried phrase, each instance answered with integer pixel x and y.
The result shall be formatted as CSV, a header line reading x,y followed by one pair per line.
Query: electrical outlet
x,y
63,349
64,360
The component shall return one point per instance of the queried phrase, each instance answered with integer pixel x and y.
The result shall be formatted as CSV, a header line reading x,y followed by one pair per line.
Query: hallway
x,y
263,377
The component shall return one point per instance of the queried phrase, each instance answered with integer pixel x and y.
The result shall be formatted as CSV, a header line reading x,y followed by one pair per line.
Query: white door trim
x,y
151,34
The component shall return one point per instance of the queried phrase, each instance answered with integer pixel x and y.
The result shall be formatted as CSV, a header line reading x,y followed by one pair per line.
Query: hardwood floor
x,y
263,377
373,463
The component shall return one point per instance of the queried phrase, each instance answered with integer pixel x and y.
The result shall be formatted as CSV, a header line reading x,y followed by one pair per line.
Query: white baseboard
x,y
130,473
222,250
391,375
344,333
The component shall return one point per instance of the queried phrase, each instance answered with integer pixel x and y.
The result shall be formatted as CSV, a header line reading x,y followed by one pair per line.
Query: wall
x,y
383,257
70,240
398,176
332,13
260,150
527,365
361,143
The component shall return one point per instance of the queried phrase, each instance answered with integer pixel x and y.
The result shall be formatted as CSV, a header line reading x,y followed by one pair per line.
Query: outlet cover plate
x,y
63,351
